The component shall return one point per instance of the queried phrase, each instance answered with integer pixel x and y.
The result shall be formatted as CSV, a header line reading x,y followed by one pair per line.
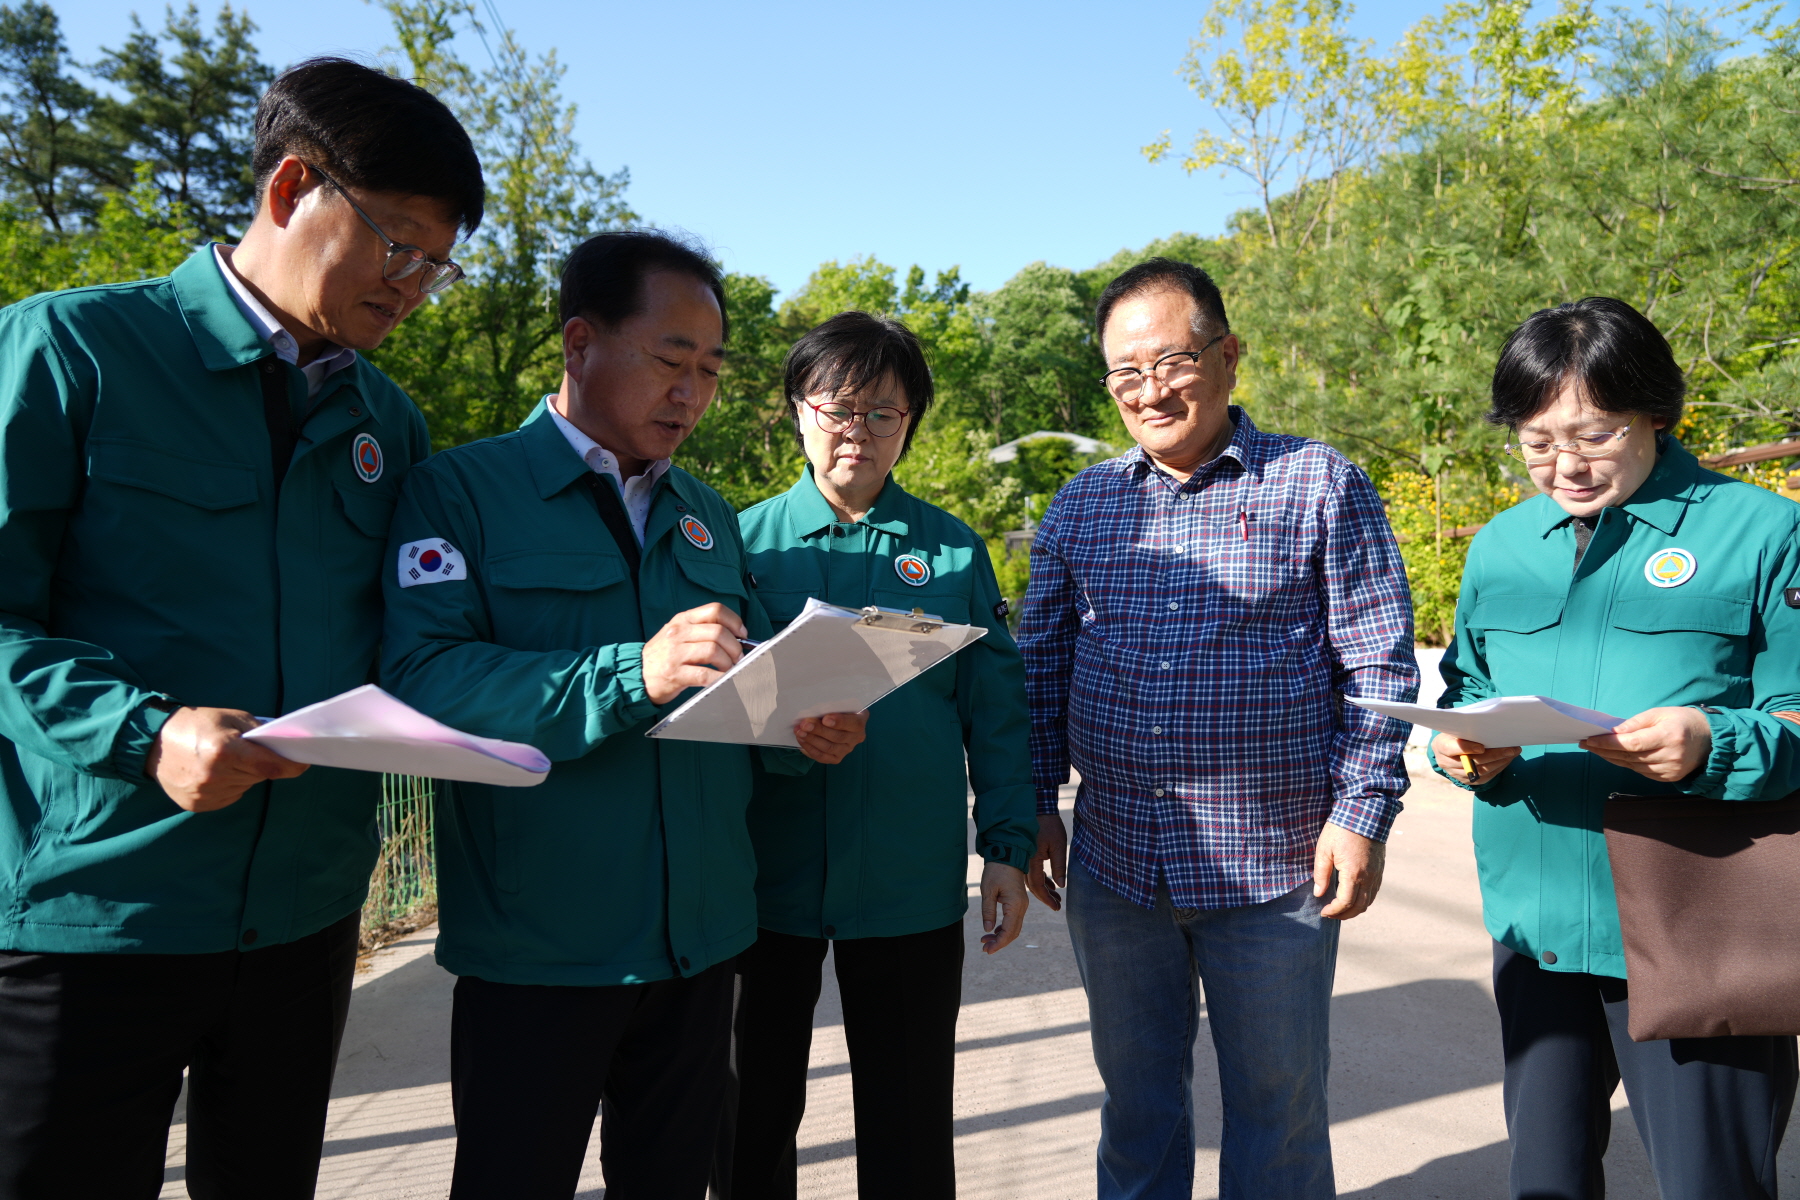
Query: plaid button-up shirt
x,y
1185,645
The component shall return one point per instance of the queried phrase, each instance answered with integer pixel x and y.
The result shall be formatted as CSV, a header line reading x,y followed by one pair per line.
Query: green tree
x,y
478,358
188,115
47,151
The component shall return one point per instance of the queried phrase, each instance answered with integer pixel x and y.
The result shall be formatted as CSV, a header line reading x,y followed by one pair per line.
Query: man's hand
x,y
1450,750
202,761
692,650
1002,889
829,738
1358,862
1664,744
1052,853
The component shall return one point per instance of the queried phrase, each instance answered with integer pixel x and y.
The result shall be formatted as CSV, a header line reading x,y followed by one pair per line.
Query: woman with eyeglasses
x,y
870,858
1640,584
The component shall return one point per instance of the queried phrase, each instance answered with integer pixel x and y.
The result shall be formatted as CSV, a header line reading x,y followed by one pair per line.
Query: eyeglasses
x,y
1173,371
403,261
834,417
1587,445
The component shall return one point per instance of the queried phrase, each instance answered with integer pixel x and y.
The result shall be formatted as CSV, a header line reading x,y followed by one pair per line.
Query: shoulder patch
x,y
430,560
1792,596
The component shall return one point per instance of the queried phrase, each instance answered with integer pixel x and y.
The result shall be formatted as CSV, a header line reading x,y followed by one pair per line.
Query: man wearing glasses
x,y
196,479
1196,608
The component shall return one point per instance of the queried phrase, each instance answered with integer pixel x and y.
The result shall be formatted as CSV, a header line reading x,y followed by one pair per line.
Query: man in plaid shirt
x,y
1195,609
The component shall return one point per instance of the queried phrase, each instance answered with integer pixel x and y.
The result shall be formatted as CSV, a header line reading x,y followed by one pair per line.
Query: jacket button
x,y
356,412
684,962
1550,957
831,931
249,936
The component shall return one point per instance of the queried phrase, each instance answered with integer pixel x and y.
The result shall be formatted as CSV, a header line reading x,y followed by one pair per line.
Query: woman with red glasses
x,y
870,857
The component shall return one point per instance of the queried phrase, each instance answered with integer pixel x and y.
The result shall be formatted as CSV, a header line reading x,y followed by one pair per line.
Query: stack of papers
x,y
368,730
828,660
1504,720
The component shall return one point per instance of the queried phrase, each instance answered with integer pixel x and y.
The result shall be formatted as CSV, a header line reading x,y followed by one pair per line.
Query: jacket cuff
x,y
628,676
135,737
1012,856
1726,748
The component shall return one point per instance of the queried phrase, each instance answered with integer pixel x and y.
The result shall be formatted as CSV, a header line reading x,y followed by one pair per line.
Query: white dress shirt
x,y
286,348
635,491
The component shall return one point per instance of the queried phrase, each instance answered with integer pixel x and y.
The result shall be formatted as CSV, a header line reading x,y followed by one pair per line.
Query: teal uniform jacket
x,y
877,845
631,862
143,554
1715,627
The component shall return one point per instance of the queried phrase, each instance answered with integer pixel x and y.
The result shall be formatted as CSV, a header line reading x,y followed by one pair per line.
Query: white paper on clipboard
x,y
829,659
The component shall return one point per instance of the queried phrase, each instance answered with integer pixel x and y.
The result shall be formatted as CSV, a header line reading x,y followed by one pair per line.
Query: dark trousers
x,y
92,1047
1711,1111
530,1065
900,998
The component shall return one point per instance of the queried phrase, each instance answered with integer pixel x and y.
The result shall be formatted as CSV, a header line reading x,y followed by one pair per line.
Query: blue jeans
x,y
1267,969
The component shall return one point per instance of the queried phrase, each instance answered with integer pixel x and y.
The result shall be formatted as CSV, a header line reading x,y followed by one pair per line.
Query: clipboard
x,y
1503,720
829,659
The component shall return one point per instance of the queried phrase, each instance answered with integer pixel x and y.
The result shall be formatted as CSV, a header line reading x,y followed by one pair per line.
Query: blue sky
x,y
985,134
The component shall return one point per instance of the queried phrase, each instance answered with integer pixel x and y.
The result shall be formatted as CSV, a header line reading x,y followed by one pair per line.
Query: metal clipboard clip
x,y
916,621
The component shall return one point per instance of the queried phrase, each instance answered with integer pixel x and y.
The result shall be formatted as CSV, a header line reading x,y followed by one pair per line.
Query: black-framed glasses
x,y
1173,371
403,261
834,417
1587,445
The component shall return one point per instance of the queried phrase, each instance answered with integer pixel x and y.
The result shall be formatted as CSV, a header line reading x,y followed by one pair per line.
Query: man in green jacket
x,y
565,585
196,479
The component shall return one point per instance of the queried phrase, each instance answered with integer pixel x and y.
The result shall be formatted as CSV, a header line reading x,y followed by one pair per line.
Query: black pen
x,y
747,644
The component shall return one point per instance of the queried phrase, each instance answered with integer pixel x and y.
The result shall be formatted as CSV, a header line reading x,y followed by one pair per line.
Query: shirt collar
x,y
1241,449
1660,501
810,512
271,330
598,458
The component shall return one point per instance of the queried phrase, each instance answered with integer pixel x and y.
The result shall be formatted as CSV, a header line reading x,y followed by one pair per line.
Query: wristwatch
x,y
166,704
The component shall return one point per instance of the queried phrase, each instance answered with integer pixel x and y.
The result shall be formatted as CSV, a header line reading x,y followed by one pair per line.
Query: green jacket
x,y
144,557
1716,629
877,845
631,862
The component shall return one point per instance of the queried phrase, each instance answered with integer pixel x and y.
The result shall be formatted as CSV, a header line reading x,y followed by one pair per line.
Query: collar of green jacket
x,y
811,514
555,465
224,336
1660,502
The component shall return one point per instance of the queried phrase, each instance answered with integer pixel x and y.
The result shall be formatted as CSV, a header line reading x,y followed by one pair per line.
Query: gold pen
x,y
1469,767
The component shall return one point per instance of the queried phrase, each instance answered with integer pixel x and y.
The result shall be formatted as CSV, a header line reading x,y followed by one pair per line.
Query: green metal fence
x,y
403,889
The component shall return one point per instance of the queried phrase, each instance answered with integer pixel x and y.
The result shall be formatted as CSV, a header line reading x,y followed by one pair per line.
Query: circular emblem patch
x,y
430,561
1670,568
695,532
913,569
365,452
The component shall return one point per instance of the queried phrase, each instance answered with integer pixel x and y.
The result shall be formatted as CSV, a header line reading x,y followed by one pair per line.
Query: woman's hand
x,y
1002,888
1664,744
828,739
1450,750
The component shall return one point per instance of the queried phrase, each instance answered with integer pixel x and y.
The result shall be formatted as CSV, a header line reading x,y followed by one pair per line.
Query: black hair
x,y
367,129
851,351
1610,350
1156,274
604,277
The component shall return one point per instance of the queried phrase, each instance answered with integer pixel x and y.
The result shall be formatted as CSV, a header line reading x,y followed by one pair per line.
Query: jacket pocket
x,y
370,512
1517,614
951,606
719,578
1692,612
565,570
210,485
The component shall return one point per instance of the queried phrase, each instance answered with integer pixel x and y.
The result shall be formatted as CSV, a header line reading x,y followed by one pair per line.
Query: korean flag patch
x,y
430,561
